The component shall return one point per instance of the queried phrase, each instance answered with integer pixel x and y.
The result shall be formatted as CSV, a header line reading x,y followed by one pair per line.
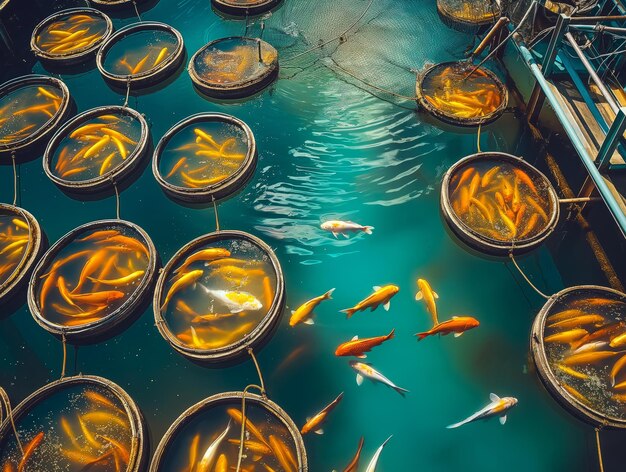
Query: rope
x,y
599,450
136,10
64,353
14,178
243,407
217,217
532,6
321,45
539,292
478,138
7,405
117,199
128,77
403,97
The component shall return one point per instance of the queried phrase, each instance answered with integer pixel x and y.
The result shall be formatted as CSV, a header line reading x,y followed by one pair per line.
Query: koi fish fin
x,y
329,295
376,288
368,229
386,306
493,397
454,317
502,419
319,431
335,234
456,335
309,322
362,356
345,235
421,336
435,295
355,337
238,309
359,379
419,295
349,312
400,390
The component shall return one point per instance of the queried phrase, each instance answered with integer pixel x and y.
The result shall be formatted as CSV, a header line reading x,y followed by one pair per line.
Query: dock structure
x,y
590,108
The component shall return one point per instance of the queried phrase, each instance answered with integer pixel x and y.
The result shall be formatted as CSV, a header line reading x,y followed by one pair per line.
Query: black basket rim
x,y
259,332
110,176
559,394
115,317
209,190
481,240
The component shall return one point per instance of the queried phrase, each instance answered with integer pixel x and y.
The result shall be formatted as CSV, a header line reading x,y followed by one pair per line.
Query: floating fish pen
x,y
577,342
31,107
234,67
219,295
568,7
115,3
92,279
272,439
448,92
96,148
497,203
205,156
71,36
21,243
244,7
468,15
140,54
75,424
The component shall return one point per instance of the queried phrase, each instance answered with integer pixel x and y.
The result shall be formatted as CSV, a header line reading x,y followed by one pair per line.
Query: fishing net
x,y
468,15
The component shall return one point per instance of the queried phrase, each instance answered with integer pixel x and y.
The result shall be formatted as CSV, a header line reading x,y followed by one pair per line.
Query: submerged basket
x,y
20,273
74,56
138,444
468,15
46,126
161,69
112,173
259,334
448,116
568,397
244,7
231,85
222,188
203,408
478,240
104,326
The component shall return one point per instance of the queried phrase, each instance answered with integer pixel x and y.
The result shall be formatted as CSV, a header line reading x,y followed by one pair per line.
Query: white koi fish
x,y
236,301
342,227
364,370
371,467
497,407
206,464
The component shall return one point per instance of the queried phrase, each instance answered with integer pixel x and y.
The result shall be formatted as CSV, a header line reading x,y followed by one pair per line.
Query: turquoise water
x,y
328,149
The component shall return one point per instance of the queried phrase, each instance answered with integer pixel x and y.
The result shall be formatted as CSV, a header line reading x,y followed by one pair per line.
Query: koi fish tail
x,y
423,335
349,312
400,390
368,229
329,295
392,334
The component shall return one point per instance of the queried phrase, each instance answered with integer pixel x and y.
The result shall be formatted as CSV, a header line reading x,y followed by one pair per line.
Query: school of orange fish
x,y
14,238
72,34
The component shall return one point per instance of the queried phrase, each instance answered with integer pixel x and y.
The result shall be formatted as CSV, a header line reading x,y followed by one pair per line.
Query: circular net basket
x,y
141,54
244,7
446,91
71,36
219,295
268,430
205,156
31,108
577,342
92,279
21,243
498,203
234,67
96,148
468,15
72,422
